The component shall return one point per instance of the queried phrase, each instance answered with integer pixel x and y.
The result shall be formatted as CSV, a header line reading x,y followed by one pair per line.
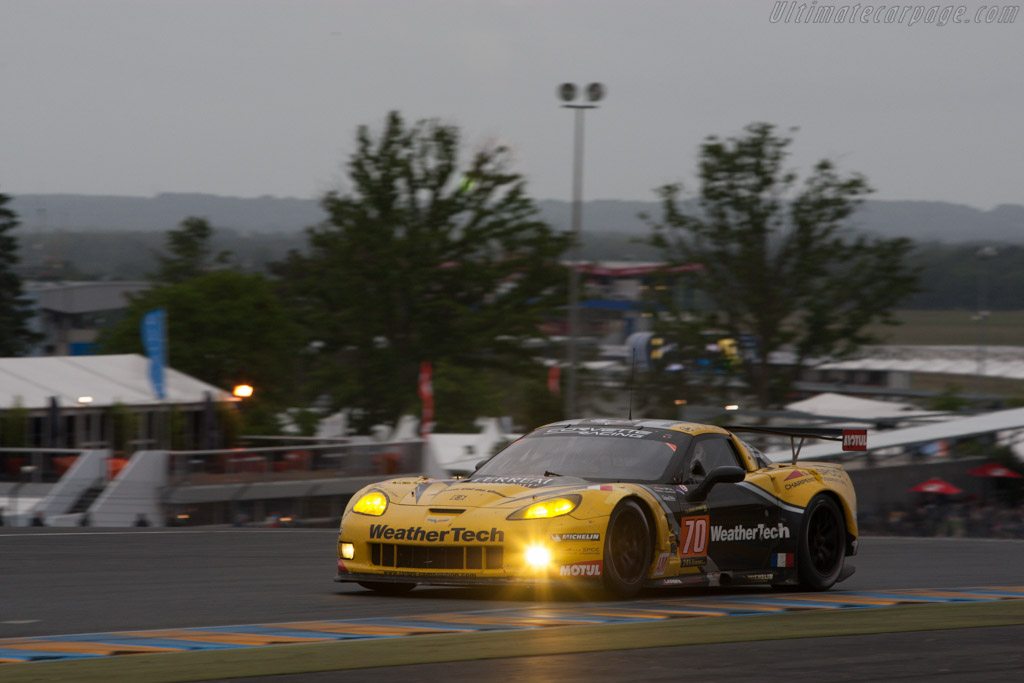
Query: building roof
x,y
83,297
110,379
988,361
987,423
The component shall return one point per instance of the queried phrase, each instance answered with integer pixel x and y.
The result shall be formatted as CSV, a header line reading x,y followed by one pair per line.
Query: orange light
x,y
243,391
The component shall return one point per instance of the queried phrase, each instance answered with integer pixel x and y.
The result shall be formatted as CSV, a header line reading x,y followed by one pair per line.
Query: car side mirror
x,y
726,474
479,464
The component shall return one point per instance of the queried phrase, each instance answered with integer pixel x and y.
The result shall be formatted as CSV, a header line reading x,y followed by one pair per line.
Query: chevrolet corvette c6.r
x,y
621,503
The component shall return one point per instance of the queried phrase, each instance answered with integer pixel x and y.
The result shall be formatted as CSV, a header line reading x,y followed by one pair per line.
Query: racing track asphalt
x,y
61,581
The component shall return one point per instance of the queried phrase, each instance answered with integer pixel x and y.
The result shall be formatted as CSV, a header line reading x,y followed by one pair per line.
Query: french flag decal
x,y
783,560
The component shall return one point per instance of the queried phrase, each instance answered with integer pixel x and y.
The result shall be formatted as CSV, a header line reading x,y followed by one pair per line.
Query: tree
x,y
422,262
224,328
15,309
190,252
779,262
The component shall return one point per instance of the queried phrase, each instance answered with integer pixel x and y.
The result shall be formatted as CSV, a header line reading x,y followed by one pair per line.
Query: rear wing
x,y
853,439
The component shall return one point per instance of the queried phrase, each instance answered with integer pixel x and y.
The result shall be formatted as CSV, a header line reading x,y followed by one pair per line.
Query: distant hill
x,y
163,212
922,221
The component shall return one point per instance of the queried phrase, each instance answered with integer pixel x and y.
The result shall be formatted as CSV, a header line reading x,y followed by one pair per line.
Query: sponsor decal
x,y
759,577
783,560
801,478
671,582
527,482
741,532
682,489
558,538
417,533
603,431
662,564
855,440
591,568
582,550
600,487
834,476
666,493
693,561
694,537
701,509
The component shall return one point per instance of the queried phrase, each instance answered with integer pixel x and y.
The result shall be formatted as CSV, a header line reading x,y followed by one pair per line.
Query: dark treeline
x,y
968,277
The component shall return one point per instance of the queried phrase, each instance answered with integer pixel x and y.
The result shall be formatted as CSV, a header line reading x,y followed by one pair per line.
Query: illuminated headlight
x,y
538,556
545,509
373,503
348,551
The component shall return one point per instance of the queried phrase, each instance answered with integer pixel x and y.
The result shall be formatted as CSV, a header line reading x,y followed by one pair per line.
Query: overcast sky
x,y
262,97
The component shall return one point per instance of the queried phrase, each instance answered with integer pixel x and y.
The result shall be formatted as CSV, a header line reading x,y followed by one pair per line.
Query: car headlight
x,y
373,503
545,509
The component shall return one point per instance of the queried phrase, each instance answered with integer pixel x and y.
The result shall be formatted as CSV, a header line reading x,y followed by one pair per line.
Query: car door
x,y
742,525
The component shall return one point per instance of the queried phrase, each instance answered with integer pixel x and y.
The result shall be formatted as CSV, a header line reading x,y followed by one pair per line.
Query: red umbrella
x,y
936,486
994,469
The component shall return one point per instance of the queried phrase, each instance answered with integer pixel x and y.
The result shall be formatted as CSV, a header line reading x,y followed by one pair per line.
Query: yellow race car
x,y
620,503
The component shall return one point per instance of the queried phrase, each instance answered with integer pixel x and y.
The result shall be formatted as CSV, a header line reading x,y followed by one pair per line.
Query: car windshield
x,y
588,452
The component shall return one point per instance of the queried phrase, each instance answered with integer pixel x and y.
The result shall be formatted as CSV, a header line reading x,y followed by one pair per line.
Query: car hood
x,y
478,491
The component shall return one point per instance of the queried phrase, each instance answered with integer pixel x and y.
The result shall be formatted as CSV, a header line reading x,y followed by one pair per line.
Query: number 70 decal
x,y
695,536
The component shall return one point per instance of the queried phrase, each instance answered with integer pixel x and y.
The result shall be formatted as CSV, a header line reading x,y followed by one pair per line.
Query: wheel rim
x,y
627,546
824,541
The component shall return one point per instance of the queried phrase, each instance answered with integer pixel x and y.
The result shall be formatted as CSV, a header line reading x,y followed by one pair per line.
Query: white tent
x,y
121,378
853,408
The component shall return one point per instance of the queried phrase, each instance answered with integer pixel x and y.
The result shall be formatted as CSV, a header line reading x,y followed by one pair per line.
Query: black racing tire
x,y
822,549
627,550
387,588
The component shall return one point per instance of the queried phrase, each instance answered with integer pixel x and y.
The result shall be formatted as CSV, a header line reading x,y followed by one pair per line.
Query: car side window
x,y
706,454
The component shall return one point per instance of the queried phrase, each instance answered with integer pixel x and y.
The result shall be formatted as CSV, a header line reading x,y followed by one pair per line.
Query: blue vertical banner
x,y
154,340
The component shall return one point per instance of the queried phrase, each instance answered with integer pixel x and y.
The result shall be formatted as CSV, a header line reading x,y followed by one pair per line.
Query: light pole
x,y
983,254
593,94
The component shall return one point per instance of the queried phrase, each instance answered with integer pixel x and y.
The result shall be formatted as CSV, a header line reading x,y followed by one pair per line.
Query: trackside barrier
x,y
283,463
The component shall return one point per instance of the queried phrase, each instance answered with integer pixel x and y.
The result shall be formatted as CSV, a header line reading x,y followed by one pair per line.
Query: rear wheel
x,y
627,550
388,588
822,544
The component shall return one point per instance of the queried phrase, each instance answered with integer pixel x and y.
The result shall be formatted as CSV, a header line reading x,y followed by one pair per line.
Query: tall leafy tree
x,y
780,262
422,260
189,252
15,308
224,327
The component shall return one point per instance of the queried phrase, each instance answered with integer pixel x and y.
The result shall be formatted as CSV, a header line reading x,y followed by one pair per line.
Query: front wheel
x,y
388,588
627,550
822,544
